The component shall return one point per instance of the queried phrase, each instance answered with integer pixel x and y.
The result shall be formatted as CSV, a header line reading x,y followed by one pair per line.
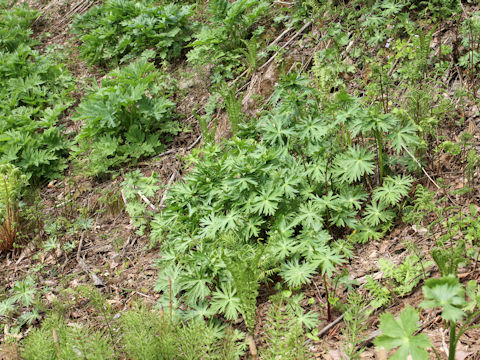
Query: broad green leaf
x,y
446,293
399,334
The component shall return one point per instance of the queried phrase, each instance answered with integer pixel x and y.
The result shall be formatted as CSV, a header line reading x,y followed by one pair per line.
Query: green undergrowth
x,y
288,204
127,117
367,107
57,339
118,31
138,334
34,94
228,35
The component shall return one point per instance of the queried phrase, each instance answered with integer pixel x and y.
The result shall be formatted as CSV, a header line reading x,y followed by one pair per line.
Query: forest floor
x,y
121,263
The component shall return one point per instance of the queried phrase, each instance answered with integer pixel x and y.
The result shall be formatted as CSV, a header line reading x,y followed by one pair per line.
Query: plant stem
x,y
329,310
378,135
453,343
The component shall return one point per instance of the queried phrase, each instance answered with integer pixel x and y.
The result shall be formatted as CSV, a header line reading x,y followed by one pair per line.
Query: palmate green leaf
x,y
266,202
199,311
297,273
312,129
281,247
390,8
363,233
276,130
196,286
24,291
309,241
344,216
400,334
327,202
393,189
352,165
170,279
290,181
7,306
405,136
99,113
447,293
327,258
210,226
376,213
252,226
225,301
309,319
376,122
309,216
354,196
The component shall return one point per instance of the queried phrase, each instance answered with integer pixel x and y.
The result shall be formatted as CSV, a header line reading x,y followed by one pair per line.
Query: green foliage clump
x,y
157,336
284,329
380,295
277,202
128,117
406,275
22,304
35,92
222,42
11,184
15,26
119,30
58,340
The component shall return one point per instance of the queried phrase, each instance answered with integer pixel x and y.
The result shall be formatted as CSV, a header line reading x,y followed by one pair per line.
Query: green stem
x,y
465,327
329,310
453,342
378,135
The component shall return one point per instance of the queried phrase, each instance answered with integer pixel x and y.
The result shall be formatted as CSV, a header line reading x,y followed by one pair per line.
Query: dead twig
x,y
252,347
331,325
145,199
299,32
164,197
191,146
426,173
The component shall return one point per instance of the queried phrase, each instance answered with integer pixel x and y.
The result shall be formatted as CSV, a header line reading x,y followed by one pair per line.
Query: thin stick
x,y
145,199
427,175
164,197
423,169
270,45
194,143
331,325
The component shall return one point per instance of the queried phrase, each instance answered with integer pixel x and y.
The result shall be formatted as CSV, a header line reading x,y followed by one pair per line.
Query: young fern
x,y
11,184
